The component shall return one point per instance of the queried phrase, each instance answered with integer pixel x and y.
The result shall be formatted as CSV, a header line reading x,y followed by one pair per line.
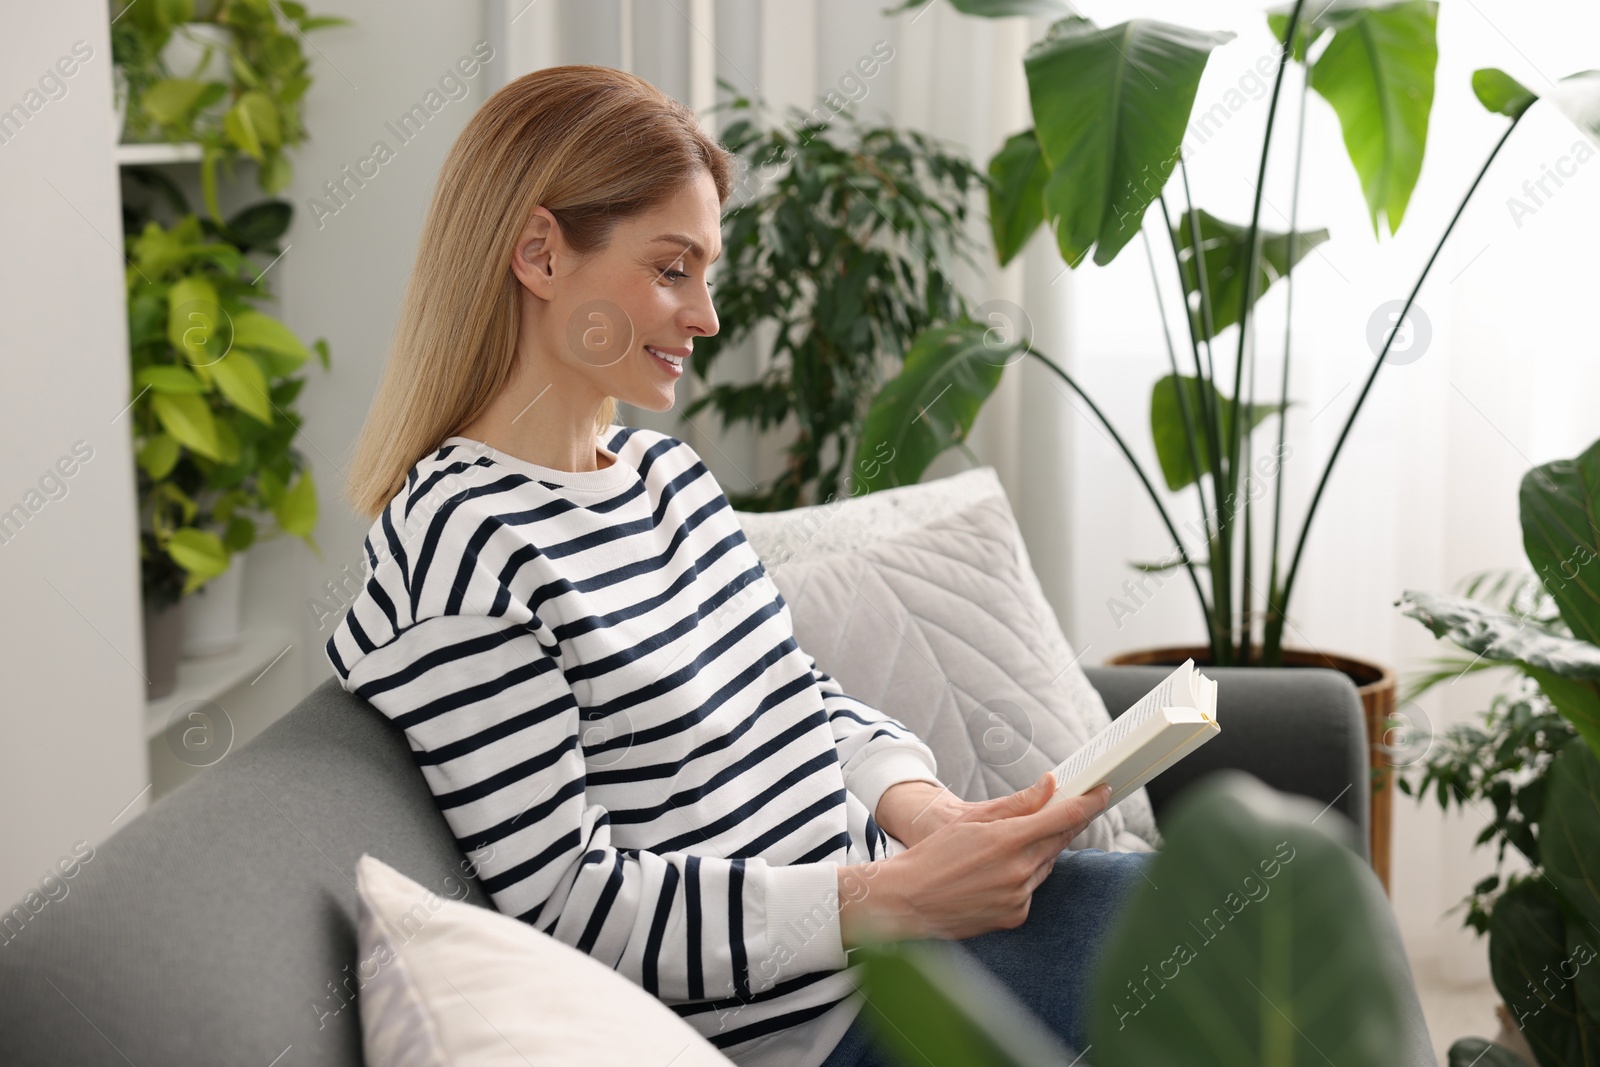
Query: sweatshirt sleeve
x,y
501,740
875,750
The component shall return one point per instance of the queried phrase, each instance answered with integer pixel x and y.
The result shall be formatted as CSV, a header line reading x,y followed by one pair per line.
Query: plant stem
x,y
1322,483
1252,258
1183,396
1272,636
1220,650
1137,469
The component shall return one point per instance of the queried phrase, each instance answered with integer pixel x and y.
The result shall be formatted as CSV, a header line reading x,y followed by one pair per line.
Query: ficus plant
x,y
1110,110
842,238
266,76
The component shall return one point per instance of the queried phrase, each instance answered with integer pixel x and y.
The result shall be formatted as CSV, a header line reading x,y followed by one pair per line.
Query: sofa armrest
x,y
1298,729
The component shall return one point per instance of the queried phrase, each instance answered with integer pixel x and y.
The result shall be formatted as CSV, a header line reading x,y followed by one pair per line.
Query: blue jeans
x,y
1047,962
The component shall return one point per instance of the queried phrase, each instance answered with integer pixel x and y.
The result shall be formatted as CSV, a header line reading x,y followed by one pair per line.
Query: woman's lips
x,y
673,368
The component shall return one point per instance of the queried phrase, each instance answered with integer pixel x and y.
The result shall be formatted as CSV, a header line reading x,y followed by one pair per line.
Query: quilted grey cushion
x,y
921,601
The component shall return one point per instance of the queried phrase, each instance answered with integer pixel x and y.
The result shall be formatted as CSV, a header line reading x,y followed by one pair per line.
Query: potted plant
x,y
808,254
1110,111
214,376
1536,762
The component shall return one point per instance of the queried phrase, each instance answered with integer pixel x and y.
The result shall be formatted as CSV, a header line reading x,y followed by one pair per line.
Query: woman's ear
x,y
533,258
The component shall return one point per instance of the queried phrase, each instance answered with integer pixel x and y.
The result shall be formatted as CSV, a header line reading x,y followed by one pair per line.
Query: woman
x,y
597,677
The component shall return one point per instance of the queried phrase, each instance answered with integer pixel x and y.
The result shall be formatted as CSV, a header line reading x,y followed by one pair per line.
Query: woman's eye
x,y
674,275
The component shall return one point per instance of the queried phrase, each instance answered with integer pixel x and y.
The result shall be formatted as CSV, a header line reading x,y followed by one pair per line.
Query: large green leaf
x,y
1567,669
1560,504
239,377
928,1004
1225,248
1016,201
931,404
199,552
252,124
1377,72
170,100
260,225
1527,945
1110,108
1259,937
281,352
187,418
1167,430
296,509
1569,830
166,378
195,320
1501,93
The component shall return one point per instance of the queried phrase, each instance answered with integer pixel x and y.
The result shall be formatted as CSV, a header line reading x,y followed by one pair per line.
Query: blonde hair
x,y
594,146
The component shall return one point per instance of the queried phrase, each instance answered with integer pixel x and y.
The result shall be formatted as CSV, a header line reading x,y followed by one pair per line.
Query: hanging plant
x,y
259,75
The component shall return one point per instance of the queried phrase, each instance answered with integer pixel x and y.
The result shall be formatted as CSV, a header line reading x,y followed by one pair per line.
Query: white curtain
x,y
1425,490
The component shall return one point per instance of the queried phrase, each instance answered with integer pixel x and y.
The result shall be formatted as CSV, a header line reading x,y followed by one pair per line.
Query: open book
x,y
1168,723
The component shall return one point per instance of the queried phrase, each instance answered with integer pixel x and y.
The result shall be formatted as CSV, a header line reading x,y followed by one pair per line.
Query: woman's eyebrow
x,y
689,243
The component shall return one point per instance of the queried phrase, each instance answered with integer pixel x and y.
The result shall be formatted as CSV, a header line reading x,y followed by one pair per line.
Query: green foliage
x,y
259,80
1541,772
214,377
215,380
1168,430
1260,937
1110,108
844,238
1225,253
1501,764
948,373
1377,72
929,1005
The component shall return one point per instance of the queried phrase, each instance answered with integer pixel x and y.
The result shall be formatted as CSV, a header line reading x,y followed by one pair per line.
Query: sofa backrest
x,y
219,927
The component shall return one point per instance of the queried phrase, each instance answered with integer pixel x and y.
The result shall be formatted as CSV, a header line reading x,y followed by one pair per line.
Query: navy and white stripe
x,y
601,686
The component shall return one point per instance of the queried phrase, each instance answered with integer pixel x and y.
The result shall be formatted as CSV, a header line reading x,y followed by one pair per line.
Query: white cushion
x,y
920,601
445,982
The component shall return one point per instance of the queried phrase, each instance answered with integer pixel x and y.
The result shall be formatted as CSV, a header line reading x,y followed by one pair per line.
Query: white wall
x,y
345,273
71,637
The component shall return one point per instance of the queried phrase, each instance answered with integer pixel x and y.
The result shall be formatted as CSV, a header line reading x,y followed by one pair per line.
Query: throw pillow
x,y
920,600
454,983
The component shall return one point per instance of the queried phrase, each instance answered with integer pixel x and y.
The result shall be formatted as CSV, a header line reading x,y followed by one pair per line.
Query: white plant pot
x,y
212,612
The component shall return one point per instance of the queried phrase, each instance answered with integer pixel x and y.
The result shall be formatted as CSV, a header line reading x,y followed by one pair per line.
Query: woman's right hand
x,y
975,874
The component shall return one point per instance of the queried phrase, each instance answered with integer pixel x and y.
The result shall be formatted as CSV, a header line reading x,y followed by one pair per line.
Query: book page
x,y
1149,705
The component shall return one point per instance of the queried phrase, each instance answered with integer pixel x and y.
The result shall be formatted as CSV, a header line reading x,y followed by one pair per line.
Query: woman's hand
x,y
974,874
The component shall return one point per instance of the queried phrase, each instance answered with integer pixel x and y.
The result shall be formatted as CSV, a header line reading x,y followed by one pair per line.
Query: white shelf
x,y
129,155
208,677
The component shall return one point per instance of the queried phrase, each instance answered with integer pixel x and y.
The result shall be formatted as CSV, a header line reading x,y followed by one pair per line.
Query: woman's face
x,y
607,316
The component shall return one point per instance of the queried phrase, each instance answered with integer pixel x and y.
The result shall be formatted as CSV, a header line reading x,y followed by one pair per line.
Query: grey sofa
x,y
219,927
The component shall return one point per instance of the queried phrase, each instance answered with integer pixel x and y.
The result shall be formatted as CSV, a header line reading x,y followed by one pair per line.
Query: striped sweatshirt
x,y
601,686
